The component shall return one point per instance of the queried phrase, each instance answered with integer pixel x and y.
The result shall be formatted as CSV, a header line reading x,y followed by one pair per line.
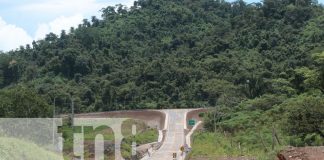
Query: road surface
x,y
174,123
175,136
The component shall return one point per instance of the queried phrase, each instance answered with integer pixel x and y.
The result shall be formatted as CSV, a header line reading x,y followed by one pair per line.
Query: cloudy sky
x,y
22,21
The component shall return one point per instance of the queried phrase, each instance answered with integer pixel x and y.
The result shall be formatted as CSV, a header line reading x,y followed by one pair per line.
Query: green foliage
x,y
20,102
260,65
160,54
297,121
312,31
218,146
313,78
144,137
144,134
306,120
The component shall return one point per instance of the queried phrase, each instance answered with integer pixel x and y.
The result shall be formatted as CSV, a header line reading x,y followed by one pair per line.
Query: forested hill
x,y
167,54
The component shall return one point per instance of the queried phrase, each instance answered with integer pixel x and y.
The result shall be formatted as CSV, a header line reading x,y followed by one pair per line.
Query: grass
x,y
16,149
143,135
146,136
216,145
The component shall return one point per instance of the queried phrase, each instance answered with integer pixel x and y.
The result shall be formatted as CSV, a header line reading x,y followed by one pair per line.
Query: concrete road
x,y
175,136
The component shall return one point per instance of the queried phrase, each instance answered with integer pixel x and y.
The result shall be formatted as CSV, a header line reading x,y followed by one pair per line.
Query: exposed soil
x,y
291,153
236,158
194,114
302,153
223,158
154,119
199,158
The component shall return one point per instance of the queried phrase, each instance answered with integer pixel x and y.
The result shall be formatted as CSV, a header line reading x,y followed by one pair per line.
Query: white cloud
x,y
57,25
87,7
60,6
12,37
69,13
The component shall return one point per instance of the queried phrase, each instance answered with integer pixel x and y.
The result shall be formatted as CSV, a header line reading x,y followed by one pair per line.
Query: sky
x,y
22,21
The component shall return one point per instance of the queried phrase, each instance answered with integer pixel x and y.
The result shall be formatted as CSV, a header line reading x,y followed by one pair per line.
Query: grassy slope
x,y
15,149
216,145
251,124
146,136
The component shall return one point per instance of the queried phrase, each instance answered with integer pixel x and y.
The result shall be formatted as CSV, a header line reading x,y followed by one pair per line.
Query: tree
x,y
51,37
108,12
312,31
82,65
68,61
164,53
307,117
313,78
95,21
20,102
221,92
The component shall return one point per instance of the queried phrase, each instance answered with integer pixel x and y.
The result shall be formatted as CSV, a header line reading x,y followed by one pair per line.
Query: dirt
x,y
194,114
291,153
302,153
236,158
154,119
223,158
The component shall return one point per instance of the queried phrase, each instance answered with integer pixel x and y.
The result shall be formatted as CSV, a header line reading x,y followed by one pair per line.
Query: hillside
x,y
14,149
171,54
259,65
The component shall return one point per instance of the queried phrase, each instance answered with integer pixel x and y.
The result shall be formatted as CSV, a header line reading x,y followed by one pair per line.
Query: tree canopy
x,y
173,54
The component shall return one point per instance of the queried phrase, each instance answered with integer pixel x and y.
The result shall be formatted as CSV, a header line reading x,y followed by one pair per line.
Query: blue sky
x,y
22,21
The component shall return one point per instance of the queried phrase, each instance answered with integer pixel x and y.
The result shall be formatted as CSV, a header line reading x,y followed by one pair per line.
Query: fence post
x,y
263,144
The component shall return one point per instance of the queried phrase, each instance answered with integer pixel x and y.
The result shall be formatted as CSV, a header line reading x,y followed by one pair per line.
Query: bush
x,y
306,120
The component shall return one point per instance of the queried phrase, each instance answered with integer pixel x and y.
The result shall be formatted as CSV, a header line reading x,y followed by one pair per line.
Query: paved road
x,y
175,136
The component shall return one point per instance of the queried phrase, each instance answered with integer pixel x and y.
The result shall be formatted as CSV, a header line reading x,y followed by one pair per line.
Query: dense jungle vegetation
x,y
259,65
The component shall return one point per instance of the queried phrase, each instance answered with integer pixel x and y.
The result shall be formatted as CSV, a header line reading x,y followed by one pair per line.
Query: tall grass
x,y
217,145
